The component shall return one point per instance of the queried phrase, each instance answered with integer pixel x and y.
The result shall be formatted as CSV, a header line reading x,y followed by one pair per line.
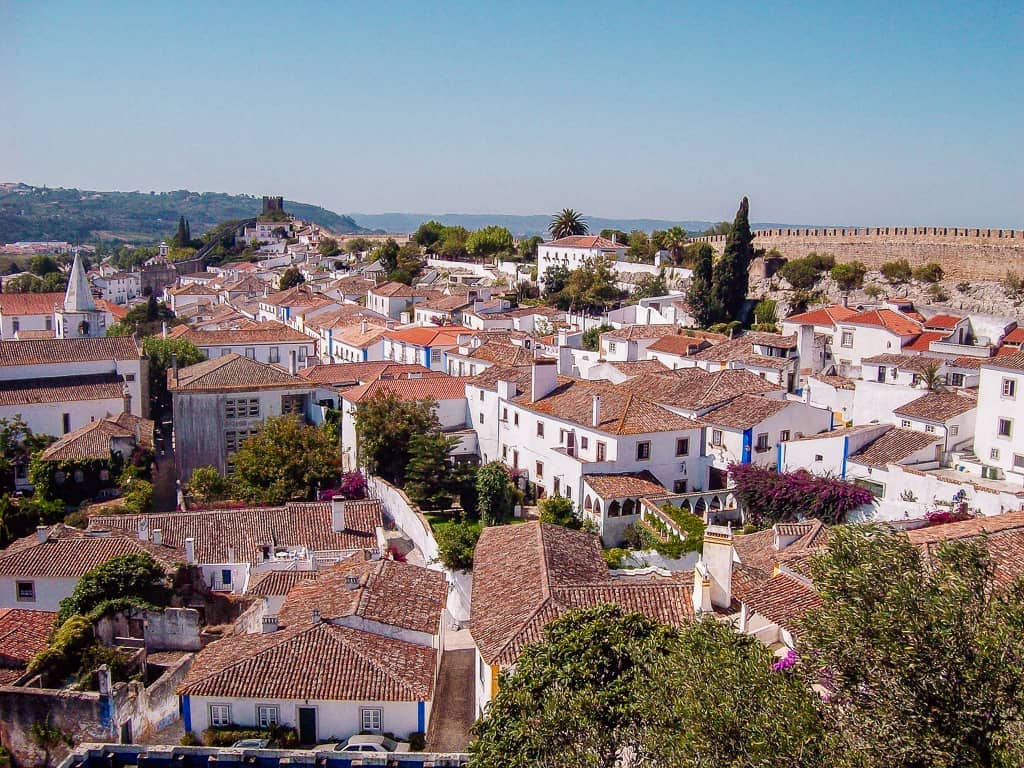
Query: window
x,y
784,436
846,340
225,575
292,405
679,486
481,417
905,423
643,450
16,325
49,323
762,442
371,719
956,379
480,669
220,714
1009,388
26,591
504,414
994,454
274,356
129,377
1018,461
250,352
302,354
716,437
267,716
1005,428
880,376
682,446
954,430
540,429
818,457
242,408
584,442
929,428
540,469
481,395
515,419
602,451
225,351
612,346
504,452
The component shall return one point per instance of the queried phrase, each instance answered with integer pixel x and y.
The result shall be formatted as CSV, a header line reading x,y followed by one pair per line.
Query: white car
x,y
372,743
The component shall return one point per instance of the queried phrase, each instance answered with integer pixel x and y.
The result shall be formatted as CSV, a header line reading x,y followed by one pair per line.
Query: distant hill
x,y
524,226
40,213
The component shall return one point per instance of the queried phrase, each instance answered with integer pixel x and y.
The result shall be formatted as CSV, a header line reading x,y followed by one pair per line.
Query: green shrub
x,y
138,499
614,557
278,736
417,741
456,542
896,272
822,262
207,484
800,273
124,576
850,275
936,292
873,290
558,510
63,657
189,740
929,273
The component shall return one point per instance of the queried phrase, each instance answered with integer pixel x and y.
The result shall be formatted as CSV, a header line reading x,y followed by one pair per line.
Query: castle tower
x,y
79,316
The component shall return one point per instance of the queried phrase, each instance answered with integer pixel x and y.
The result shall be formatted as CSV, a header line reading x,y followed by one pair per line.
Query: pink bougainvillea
x,y
353,486
770,497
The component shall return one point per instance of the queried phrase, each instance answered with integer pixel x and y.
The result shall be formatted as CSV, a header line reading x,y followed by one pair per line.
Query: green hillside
x,y
39,213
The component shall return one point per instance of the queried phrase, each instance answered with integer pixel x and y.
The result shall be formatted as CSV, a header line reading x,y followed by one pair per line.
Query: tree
x,y
160,352
456,542
850,275
766,316
558,510
730,274
674,240
590,287
358,245
429,234
496,495
648,285
408,264
135,575
328,247
555,278
921,656
703,304
640,247
18,443
896,272
182,238
385,426
207,484
566,223
290,278
285,461
387,254
931,379
528,247
54,282
615,235
489,241
24,283
801,274
43,265
929,273
591,338
138,497
430,480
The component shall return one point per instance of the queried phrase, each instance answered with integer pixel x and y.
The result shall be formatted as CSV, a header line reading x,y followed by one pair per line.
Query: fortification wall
x,y
964,253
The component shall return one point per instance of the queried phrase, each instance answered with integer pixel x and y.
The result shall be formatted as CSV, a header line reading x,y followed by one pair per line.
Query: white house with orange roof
x,y
574,251
425,345
873,332
27,312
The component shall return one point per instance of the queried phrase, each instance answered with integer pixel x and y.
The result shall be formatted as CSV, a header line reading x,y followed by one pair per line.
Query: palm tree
x,y
931,379
674,241
566,223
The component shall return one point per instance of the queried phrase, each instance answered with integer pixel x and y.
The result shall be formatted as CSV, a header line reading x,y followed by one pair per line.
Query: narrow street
x,y
454,709
165,489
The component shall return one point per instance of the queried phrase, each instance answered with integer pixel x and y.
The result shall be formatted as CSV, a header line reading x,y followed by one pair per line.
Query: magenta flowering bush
x,y
353,486
787,662
771,497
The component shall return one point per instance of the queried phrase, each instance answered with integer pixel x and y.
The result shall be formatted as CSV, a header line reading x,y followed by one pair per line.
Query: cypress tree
x,y
731,272
188,233
181,236
702,303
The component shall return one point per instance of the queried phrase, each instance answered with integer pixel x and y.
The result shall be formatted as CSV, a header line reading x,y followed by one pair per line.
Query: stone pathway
x,y
454,706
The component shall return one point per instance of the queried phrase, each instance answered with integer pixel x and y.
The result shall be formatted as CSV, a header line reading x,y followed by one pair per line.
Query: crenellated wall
x,y
964,253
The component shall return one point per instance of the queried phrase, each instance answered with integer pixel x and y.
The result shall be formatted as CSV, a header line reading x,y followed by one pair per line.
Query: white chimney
x,y
143,528
595,412
543,379
158,536
163,329
316,615
338,514
270,624
42,533
190,551
507,390
292,366
717,558
362,326
351,581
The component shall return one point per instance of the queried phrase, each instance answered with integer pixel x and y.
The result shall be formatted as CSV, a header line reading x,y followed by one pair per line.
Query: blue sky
x,y
830,113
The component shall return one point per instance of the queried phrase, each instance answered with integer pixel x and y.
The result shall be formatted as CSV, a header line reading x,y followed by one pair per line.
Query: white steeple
x,y
78,297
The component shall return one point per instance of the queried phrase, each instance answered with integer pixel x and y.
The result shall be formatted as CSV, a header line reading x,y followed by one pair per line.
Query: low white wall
x,y
414,525
484,270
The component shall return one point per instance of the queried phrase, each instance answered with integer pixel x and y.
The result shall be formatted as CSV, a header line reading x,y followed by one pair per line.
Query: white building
x,y
999,430
269,342
573,252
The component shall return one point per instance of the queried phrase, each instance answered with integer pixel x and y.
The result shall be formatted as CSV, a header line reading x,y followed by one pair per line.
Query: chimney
x,y
507,390
362,326
351,581
143,528
163,329
338,514
316,615
158,536
292,367
846,298
270,624
126,395
42,533
595,412
544,378
717,559
190,551
174,367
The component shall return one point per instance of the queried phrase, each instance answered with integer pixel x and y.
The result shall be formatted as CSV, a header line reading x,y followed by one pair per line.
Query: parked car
x,y
371,743
251,744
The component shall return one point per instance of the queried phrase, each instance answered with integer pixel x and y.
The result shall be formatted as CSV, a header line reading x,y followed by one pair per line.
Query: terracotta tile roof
x,y
488,378
319,661
696,389
621,412
1016,336
26,335
29,303
264,333
1004,539
68,553
923,343
837,382
387,592
757,550
23,634
915,363
679,344
231,372
781,598
633,368
247,531
359,373
96,439
1013,362
584,241
445,303
64,351
429,387
745,411
117,311
636,332
70,389
892,321
277,583
937,406
526,575
193,289
394,290
622,484
741,350
501,353
822,316
894,446
429,336
969,363
943,322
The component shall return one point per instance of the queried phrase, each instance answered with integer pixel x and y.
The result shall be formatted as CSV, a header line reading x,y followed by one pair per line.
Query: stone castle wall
x,y
982,254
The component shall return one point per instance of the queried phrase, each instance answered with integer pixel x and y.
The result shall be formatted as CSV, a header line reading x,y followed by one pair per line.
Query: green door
x,y
307,725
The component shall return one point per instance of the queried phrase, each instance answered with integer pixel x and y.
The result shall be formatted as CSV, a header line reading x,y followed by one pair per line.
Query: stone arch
x,y
700,507
588,505
597,507
629,507
614,509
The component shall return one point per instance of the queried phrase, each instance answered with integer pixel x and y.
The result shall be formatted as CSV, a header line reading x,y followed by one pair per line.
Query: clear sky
x,y
853,113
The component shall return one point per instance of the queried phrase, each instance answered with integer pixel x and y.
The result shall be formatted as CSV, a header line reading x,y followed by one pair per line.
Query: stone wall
x,y
964,253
